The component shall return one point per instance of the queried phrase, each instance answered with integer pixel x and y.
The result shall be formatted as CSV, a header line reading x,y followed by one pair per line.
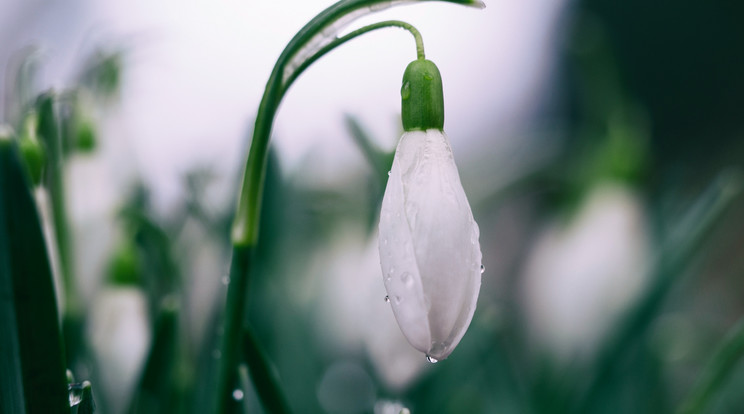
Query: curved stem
x,y
356,33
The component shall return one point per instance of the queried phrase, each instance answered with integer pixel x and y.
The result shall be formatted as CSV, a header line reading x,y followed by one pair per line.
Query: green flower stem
x,y
312,41
264,376
356,33
723,362
232,327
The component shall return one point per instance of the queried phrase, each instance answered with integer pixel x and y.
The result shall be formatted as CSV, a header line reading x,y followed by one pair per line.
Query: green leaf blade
x,y
30,316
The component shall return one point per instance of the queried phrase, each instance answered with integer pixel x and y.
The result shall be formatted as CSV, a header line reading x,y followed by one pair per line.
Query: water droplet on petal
x,y
431,359
483,269
238,395
387,298
388,172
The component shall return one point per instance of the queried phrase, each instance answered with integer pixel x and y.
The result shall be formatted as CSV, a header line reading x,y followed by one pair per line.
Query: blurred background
x,y
599,143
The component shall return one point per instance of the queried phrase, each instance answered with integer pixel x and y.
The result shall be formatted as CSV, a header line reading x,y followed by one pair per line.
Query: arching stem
x,y
245,226
356,33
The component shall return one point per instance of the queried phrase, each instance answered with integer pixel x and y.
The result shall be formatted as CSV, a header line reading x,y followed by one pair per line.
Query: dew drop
x,y
387,298
405,91
75,396
238,395
78,392
225,280
431,359
388,172
483,269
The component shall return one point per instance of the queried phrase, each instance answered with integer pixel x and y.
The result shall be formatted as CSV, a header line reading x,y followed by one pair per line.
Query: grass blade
x,y
264,376
717,371
33,371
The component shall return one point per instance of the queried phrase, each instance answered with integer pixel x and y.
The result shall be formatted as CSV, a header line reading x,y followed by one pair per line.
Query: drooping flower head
x,y
429,249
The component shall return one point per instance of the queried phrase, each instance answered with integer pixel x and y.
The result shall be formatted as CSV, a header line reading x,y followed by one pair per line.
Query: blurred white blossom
x,y
120,335
358,319
582,274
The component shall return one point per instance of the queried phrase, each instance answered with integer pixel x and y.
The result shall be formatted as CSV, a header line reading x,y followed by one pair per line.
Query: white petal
x,y
429,249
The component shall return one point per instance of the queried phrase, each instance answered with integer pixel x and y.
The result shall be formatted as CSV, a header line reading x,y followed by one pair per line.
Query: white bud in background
x,y
582,274
120,335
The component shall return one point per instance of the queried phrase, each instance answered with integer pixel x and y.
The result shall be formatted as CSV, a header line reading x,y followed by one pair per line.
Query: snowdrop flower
x,y
429,249
583,274
120,336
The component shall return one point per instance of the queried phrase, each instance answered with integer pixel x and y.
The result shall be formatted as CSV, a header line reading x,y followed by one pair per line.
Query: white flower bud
x,y
584,273
429,249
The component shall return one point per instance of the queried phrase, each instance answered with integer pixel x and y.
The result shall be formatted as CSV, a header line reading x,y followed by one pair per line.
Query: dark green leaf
x,y
33,371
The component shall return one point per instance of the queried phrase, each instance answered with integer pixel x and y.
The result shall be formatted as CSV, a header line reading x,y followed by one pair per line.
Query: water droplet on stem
x,y
238,395
405,91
